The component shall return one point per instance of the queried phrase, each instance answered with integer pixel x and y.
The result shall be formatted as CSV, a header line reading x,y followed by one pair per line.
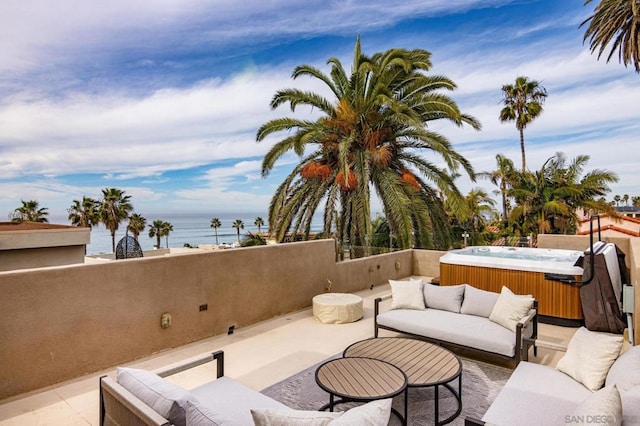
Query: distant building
x,y
627,225
629,211
35,245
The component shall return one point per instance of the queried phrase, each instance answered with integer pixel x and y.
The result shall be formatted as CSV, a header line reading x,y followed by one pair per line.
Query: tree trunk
x,y
524,161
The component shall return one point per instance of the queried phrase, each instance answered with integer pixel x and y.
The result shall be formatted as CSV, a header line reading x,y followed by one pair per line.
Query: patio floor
x,y
257,356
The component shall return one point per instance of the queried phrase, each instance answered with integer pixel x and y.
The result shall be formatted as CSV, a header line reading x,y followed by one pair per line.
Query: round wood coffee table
x,y
361,380
425,364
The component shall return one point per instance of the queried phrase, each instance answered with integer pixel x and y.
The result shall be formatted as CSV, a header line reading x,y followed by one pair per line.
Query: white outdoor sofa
x,y
457,317
538,394
143,398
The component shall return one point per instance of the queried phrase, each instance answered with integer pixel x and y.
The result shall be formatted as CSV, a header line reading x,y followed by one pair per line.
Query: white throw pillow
x,y
275,417
167,399
374,413
200,415
604,407
407,294
589,356
478,302
446,298
510,309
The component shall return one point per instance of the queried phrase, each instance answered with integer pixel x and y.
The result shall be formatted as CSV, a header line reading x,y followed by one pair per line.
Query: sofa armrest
x,y
523,342
376,311
190,363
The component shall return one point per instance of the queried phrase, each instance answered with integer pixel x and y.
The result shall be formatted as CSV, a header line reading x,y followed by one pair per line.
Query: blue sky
x,y
162,98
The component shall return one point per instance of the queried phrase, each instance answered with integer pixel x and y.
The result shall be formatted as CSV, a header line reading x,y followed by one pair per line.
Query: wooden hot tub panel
x,y
555,299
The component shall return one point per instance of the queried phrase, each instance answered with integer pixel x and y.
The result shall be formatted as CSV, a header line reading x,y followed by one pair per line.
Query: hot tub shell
x,y
557,302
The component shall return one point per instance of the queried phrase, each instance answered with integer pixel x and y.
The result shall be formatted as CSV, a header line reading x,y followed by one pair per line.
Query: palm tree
x,y
30,211
136,225
635,201
625,198
167,227
522,104
547,201
616,21
474,214
259,222
617,199
215,224
156,230
84,213
238,225
373,135
114,209
502,177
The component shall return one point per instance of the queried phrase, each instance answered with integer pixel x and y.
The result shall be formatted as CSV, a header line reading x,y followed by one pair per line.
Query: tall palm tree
x,y
625,198
167,228
502,177
617,199
616,22
522,103
215,224
84,213
30,211
156,230
372,135
238,225
259,222
136,225
114,209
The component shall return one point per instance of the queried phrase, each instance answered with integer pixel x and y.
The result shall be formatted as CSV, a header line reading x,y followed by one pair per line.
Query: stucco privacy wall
x,y
63,322
629,245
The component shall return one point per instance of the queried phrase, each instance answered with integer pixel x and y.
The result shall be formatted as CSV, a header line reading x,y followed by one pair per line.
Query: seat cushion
x,y
467,330
233,400
536,395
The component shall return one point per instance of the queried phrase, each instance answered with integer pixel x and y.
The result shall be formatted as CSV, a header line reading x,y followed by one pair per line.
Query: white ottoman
x,y
337,308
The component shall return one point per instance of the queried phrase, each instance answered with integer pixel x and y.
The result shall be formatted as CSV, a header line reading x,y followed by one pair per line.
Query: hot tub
x,y
522,270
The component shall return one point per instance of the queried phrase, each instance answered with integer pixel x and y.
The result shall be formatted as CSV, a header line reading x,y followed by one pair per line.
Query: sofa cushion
x,y
167,399
201,415
407,294
468,330
233,399
447,298
510,309
589,356
625,371
536,395
603,407
631,405
478,302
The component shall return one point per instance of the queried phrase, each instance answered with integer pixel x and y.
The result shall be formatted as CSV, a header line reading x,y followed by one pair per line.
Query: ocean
x,y
188,228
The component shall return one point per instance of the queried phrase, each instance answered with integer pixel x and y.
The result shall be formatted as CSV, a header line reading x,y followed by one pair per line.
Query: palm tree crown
x,y
615,23
158,229
30,211
238,225
522,103
215,224
84,213
114,209
259,222
136,225
374,134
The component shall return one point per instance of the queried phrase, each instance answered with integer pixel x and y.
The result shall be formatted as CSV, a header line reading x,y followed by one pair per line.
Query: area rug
x,y
481,383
